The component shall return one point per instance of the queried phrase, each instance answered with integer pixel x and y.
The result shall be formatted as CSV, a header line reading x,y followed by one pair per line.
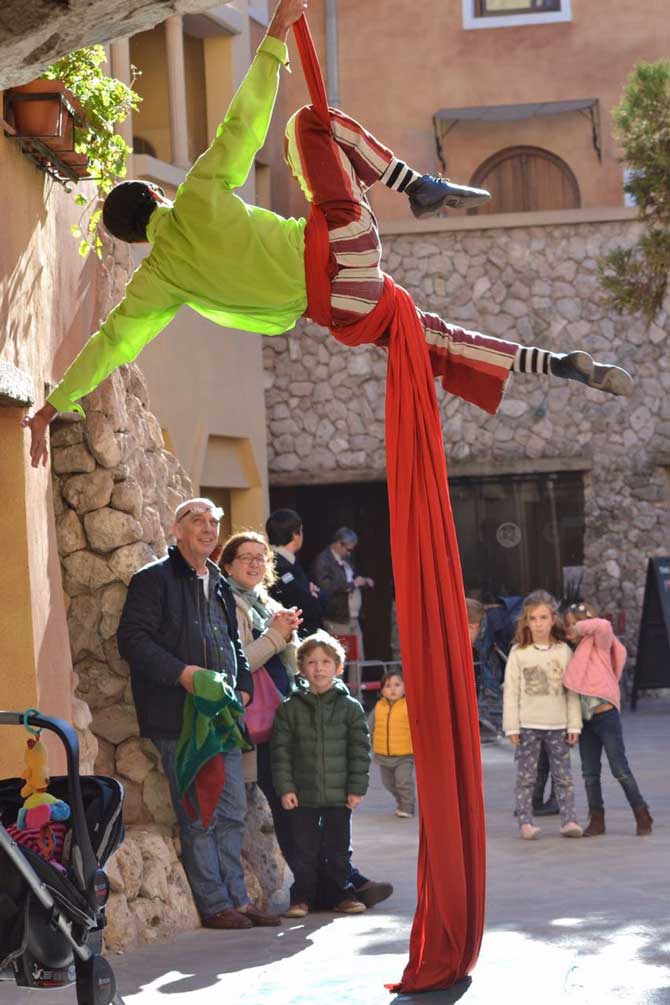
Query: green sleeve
x,y
358,752
281,753
147,307
244,129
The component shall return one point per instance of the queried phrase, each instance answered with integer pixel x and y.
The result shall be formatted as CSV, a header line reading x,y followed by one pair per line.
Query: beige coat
x,y
258,651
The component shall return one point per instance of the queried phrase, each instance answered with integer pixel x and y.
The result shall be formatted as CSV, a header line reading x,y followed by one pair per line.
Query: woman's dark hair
x,y
127,209
387,676
233,545
282,525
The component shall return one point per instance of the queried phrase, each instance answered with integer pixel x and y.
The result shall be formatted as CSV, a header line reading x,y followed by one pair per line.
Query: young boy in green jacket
x,y
320,769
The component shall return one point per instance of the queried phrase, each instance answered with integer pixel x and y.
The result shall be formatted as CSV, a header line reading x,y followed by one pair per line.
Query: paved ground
x,y
568,922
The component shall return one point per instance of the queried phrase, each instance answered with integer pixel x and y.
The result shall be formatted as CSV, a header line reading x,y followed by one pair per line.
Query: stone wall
x,y
535,285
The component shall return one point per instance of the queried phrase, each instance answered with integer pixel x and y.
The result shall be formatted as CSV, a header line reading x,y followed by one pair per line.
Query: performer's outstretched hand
x,y
287,12
38,425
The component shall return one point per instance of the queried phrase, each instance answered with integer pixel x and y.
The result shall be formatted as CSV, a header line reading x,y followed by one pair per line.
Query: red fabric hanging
x,y
432,621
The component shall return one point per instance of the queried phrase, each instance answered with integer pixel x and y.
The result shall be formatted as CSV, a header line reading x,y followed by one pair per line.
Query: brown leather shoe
x,y
259,918
596,825
229,918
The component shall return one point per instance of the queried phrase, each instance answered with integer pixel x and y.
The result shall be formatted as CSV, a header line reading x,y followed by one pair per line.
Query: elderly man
x,y
340,586
180,618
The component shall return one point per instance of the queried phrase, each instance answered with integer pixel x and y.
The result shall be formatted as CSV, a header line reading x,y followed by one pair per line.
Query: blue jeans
x,y
604,730
212,856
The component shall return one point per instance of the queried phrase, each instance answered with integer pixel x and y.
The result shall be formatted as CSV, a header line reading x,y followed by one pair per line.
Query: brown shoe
x,y
299,910
596,825
644,820
229,918
259,918
350,907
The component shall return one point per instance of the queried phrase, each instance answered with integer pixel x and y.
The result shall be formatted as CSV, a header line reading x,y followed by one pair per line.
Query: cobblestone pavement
x,y
574,922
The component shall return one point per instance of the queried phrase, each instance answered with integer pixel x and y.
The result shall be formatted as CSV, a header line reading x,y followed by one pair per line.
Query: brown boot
x,y
596,824
644,820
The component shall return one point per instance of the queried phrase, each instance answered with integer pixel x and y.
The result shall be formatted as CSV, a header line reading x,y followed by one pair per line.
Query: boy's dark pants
x,y
321,844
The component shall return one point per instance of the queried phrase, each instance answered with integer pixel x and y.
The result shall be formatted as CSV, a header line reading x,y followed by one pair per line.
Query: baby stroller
x,y
51,921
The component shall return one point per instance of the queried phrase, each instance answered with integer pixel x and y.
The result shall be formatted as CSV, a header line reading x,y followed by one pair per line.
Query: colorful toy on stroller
x,y
53,846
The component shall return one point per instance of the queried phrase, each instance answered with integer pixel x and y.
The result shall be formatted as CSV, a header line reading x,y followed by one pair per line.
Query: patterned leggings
x,y
528,754
335,167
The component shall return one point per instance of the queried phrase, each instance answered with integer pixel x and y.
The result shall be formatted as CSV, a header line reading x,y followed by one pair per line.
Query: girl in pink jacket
x,y
594,673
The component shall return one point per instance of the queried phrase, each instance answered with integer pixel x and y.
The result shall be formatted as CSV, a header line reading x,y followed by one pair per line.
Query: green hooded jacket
x,y
321,746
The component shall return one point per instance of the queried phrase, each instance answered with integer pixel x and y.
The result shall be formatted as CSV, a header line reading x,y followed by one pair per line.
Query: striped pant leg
x,y
330,179
450,345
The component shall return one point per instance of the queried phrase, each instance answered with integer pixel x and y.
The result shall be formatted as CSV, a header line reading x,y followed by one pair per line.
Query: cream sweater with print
x,y
534,696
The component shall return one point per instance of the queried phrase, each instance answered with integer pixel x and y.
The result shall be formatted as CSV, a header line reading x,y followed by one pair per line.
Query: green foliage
x,y
636,279
105,101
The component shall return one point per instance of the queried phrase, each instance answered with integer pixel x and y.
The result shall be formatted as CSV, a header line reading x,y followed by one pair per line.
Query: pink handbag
x,y
260,714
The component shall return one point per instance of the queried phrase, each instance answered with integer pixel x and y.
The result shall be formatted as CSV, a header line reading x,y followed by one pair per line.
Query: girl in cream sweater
x,y
537,708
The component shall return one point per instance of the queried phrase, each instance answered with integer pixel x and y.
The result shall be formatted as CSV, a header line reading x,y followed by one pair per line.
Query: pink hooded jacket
x,y
597,663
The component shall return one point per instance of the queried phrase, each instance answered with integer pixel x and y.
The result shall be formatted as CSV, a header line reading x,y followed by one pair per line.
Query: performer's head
x,y
128,207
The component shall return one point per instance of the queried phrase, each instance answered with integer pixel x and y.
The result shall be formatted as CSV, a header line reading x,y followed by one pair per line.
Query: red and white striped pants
x,y
335,168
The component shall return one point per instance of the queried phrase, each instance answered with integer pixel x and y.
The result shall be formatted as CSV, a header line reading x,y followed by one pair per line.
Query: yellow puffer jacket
x,y
391,735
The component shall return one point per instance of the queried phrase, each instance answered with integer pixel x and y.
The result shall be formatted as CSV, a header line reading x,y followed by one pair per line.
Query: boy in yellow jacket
x,y
392,743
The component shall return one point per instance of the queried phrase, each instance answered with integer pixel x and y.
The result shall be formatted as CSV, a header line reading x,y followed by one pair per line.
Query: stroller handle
x,y
84,862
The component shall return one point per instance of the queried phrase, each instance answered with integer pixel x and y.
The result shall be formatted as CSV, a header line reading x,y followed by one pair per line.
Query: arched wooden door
x,y
523,179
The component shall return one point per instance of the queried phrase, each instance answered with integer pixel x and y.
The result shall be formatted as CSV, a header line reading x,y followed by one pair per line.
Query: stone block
x,y
121,928
104,762
113,599
102,441
66,434
109,398
115,723
87,571
108,529
83,620
67,460
88,492
133,760
98,686
69,533
130,865
127,496
156,795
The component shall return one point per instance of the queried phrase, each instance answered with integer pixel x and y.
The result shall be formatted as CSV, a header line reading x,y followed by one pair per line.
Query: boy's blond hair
x,y
322,639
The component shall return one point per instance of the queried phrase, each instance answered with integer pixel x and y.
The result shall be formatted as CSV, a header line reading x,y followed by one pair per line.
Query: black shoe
x,y
428,194
581,366
548,809
372,893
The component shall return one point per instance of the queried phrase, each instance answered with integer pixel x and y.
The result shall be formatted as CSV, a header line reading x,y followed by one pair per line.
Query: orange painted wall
x,y
48,306
400,62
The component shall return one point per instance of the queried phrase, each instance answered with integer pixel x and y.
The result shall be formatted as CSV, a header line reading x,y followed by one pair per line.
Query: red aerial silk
x,y
432,622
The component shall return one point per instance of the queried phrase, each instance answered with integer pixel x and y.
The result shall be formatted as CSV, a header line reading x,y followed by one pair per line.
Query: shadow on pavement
x,y
445,997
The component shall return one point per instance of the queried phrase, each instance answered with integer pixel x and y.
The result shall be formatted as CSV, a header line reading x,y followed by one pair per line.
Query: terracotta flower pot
x,y
42,118
76,162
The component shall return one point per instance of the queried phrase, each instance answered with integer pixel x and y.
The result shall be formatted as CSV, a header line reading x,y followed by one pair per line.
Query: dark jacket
x,y
331,579
162,630
292,590
321,746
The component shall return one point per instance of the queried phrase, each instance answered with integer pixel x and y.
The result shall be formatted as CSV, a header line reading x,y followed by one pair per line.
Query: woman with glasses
x,y
268,637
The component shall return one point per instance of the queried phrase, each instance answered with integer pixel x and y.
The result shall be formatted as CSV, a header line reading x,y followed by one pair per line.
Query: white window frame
x,y
471,21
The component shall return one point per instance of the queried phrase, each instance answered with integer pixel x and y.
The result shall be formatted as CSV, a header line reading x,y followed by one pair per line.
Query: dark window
x,y
526,179
502,8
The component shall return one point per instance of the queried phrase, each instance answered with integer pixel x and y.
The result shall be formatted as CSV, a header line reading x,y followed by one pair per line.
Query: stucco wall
x,y
49,298
535,285
399,63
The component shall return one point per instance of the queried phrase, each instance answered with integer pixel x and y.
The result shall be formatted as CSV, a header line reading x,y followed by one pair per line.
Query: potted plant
x,y
41,109
99,152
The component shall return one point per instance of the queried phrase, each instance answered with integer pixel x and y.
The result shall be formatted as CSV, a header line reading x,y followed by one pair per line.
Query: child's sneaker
x,y
296,911
350,907
571,830
528,832
403,814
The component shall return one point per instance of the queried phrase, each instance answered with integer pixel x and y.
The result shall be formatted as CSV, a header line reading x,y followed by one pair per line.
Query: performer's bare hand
x,y
38,425
287,12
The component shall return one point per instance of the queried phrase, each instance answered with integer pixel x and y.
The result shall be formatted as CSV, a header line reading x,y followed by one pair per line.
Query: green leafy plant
x,y
105,101
635,279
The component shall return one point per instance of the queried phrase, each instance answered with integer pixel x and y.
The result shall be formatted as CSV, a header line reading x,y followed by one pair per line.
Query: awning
x,y
445,120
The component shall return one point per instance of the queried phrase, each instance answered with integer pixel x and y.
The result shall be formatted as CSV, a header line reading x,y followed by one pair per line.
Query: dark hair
x,y
282,525
233,545
387,676
127,209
